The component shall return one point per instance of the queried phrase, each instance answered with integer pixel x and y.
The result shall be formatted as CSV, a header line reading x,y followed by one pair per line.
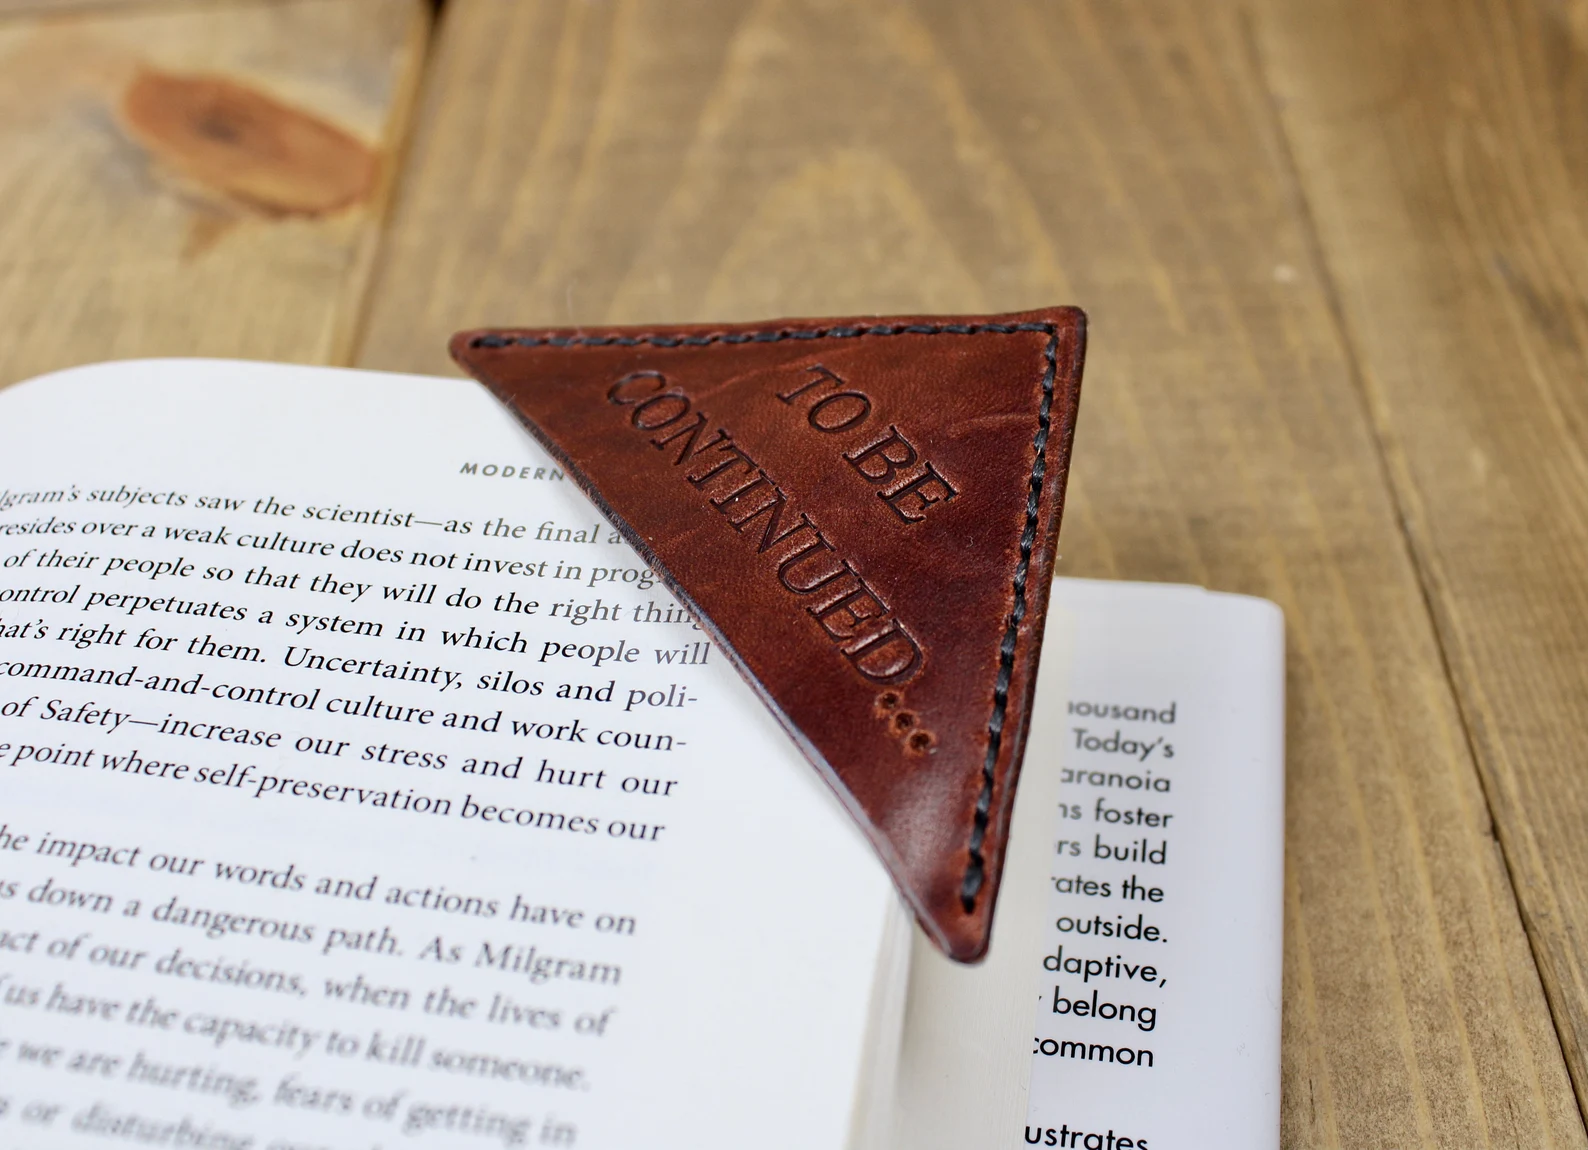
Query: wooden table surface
x,y
1335,254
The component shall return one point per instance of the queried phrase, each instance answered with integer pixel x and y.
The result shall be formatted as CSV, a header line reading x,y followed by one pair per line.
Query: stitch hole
x,y
921,742
888,701
903,721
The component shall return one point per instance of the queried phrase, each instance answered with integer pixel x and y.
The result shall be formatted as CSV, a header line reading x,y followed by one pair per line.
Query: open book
x,y
359,787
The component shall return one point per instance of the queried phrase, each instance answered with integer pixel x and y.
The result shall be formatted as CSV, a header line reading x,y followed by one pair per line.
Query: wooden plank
x,y
583,163
200,181
1440,146
14,7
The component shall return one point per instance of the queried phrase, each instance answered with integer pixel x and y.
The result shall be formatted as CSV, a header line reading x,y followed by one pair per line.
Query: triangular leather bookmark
x,y
863,513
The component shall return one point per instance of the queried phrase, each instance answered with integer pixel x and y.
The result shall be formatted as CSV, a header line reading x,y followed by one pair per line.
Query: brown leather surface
x,y
863,513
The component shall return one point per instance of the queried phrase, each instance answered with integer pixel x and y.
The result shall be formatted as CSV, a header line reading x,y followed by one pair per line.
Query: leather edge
x,y
1068,376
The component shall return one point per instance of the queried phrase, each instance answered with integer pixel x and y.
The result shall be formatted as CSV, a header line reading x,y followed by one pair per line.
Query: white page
x,y
1160,1027
976,1071
720,924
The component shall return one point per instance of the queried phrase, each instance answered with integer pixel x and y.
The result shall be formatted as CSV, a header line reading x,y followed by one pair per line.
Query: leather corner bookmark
x,y
863,513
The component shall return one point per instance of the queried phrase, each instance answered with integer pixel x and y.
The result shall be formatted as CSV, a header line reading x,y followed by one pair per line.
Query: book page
x,y
1141,913
361,788
1158,1010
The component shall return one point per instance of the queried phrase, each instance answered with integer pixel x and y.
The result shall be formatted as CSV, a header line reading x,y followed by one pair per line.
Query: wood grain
x,y
1444,154
13,7
602,163
200,181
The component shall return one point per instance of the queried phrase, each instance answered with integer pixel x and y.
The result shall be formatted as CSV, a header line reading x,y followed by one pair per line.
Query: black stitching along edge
x,y
976,868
